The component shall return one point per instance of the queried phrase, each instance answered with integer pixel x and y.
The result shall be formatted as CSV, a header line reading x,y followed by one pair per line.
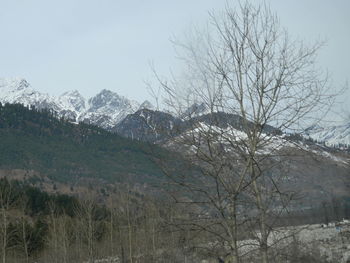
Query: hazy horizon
x,y
89,46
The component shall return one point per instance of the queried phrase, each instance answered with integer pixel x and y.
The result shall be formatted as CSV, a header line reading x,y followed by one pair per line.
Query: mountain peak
x,y
106,92
195,110
146,105
75,93
107,97
14,83
73,99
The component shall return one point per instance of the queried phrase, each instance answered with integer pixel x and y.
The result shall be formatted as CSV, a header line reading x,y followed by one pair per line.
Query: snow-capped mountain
x,y
195,110
18,91
332,135
146,105
106,109
149,125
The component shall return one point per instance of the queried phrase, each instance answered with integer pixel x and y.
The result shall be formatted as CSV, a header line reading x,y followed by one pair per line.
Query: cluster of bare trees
x,y
16,229
5,201
122,224
127,227
251,76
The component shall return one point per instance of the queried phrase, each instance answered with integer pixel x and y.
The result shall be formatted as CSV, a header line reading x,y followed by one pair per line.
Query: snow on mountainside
x,y
146,105
18,91
106,109
270,144
332,135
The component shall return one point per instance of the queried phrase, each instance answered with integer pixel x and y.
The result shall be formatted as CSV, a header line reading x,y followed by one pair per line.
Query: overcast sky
x,y
89,45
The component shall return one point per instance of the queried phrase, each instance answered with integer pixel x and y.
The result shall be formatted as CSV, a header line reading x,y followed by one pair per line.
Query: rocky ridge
x,y
129,118
106,109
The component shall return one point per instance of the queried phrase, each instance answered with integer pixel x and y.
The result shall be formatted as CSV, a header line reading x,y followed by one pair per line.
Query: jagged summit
x,y
13,83
146,105
75,99
195,110
105,109
71,93
18,90
108,98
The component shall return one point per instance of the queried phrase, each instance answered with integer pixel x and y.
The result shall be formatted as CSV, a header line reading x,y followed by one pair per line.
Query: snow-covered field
x,y
331,242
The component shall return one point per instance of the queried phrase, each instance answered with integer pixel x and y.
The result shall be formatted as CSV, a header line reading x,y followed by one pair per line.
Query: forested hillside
x,y
36,140
108,216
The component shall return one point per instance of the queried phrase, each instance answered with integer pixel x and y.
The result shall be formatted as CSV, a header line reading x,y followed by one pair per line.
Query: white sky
x,y
89,45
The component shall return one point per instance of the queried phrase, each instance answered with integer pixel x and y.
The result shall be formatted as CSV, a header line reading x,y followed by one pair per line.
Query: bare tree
x,y
129,224
255,82
6,203
25,232
59,235
86,225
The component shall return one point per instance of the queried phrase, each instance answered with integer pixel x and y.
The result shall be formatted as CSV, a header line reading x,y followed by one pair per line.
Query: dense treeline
x,y
37,140
24,211
39,227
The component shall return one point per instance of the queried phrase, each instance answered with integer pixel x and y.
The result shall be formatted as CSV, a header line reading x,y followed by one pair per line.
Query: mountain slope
x,y
157,126
36,140
312,170
338,135
107,109
149,125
